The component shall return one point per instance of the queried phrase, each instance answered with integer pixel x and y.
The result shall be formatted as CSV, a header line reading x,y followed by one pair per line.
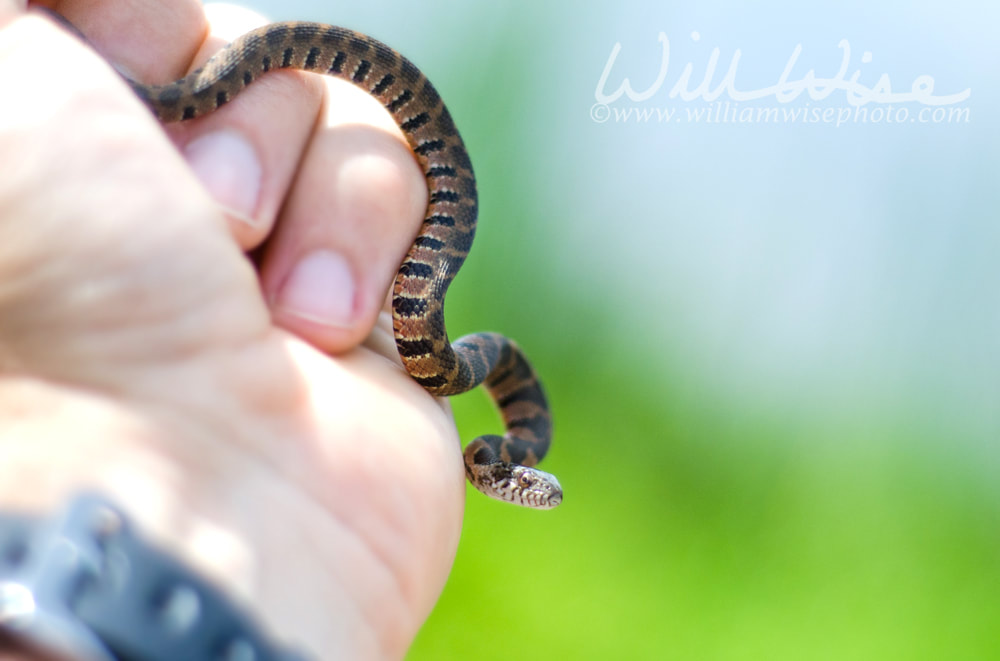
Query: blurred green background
x,y
772,349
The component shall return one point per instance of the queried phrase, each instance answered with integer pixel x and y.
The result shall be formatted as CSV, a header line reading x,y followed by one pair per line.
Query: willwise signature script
x,y
784,90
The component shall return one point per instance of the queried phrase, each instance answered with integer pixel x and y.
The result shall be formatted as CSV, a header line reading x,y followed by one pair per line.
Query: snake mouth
x,y
546,498
555,499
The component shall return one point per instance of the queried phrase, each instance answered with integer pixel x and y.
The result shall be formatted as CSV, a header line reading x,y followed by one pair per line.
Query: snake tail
x,y
498,466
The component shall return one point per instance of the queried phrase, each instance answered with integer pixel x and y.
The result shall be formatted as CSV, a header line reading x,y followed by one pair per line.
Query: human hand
x,y
141,354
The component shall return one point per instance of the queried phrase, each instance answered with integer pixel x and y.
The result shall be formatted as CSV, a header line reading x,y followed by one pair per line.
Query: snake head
x,y
517,484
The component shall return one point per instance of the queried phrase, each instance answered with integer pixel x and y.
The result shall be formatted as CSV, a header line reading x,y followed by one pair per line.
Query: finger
x,y
354,210
246,152
243,162
111,204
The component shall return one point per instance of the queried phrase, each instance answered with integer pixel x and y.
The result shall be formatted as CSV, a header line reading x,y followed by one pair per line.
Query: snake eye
x,y
525,480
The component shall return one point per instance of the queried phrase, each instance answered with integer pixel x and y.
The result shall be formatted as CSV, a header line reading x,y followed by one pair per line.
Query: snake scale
x,y
499,466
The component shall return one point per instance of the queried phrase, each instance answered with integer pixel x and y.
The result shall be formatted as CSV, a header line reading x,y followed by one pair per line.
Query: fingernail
x,y
228,166
321,289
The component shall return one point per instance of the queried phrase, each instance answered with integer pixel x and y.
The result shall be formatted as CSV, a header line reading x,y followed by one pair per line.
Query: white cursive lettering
x,y
785,90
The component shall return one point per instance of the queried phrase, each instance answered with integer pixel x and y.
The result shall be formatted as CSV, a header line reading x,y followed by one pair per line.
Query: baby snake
x,y
499,466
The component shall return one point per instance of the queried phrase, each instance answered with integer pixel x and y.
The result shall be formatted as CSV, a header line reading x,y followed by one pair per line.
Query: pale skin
x,y
255,421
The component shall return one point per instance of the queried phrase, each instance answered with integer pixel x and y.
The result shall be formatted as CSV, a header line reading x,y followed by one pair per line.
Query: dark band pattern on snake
x,y
499,466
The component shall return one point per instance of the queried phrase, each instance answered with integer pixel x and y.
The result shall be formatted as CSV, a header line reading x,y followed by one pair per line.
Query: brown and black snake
x,y
499,466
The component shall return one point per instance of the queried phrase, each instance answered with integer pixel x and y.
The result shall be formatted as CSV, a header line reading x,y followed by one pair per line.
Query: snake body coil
x,y
500,466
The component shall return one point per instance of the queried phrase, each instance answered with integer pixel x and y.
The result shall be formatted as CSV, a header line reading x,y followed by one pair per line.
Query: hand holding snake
x,y
499,466
223,403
